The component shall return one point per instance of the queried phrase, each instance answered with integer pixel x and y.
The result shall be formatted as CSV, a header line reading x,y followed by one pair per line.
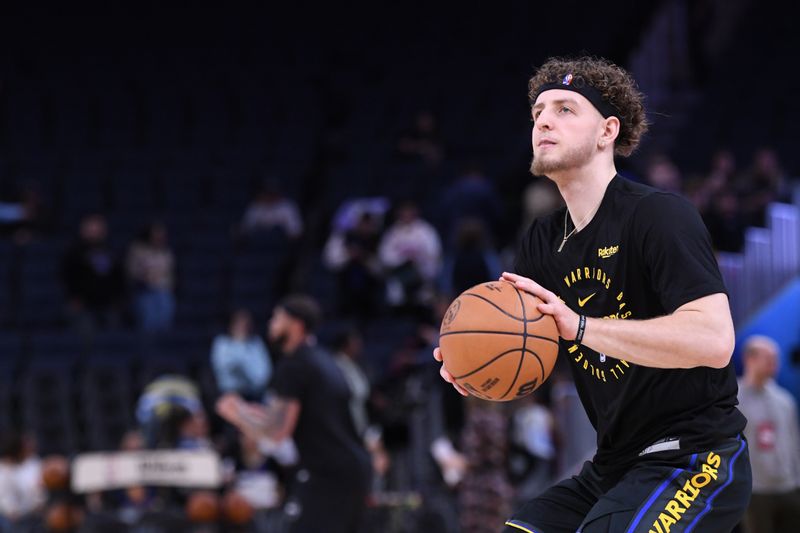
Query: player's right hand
x,y
229,406
447,376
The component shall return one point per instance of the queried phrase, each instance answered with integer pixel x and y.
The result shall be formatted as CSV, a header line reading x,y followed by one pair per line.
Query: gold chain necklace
x,y
566,214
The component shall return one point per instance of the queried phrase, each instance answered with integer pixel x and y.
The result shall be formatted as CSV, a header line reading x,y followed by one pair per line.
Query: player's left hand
x,y
566,319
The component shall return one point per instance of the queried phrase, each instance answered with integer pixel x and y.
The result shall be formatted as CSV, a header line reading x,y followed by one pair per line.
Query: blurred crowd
x,y
440,462
731,197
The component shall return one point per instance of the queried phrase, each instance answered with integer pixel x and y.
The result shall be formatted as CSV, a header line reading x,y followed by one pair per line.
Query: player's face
x,y
565,132
768,362
761,362
279,325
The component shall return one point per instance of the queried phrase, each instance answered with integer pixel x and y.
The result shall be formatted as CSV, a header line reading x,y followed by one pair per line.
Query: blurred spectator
x,y
353,255
183,429
422,142
151,267
347,352
485,492
575,437
774,437
532,448
271,209
721,177
348,347
160,397
723,168
240,359
23,214
472,196
125,505
312,406
132,500
725,221
21,490
763,183
540,198
351,211
663,174
93,278
411,252
472,261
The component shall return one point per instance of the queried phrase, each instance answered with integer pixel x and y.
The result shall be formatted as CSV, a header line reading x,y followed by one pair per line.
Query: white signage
x,y
171,468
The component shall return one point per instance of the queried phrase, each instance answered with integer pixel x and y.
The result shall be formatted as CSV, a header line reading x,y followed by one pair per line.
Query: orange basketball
x,y
202,507
236,508
496,343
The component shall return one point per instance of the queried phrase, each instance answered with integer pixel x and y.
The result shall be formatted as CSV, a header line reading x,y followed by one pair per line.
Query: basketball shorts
x,y
665,492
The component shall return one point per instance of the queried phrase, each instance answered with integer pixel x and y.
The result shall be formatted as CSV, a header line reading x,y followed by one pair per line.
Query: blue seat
x,y
46,394
58,347
116,347
10,350
7,397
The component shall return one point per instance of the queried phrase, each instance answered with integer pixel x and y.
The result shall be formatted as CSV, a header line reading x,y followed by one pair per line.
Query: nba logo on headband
x,y
567,80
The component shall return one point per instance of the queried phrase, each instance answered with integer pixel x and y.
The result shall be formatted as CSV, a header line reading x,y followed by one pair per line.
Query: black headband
x,y
578,85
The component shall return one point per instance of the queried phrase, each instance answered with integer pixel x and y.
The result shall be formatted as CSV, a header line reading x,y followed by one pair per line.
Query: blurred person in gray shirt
x,y
774,437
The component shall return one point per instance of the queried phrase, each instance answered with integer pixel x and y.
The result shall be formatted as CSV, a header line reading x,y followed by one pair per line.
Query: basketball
x,y
496,343
202,507
236,508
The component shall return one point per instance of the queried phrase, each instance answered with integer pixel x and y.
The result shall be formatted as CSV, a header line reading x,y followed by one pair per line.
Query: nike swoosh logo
x,y
582,301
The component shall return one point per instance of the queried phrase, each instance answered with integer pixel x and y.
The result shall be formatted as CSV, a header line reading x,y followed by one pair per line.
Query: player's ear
x,y
610,131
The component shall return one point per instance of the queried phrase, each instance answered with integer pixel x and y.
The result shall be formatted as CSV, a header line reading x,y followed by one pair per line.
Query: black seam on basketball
x,y
490,332
524,343
516,375
487,363
538,360
509,315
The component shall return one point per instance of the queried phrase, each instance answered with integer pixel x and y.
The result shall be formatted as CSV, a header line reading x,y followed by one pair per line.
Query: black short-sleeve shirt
x,y
325,434
644,254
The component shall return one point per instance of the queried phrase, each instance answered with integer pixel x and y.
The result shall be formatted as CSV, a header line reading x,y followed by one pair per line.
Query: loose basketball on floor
x,y
496,343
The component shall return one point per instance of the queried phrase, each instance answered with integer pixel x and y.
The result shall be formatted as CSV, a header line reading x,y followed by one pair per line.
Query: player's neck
x,y
583,190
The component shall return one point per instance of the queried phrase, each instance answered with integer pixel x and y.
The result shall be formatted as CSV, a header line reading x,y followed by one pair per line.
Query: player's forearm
x,y
259,430
684,339
275,420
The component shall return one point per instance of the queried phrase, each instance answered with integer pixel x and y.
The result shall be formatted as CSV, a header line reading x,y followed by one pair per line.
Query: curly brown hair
x,y
616,86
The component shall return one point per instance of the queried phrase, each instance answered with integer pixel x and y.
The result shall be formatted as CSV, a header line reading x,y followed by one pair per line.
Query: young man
x,y
311,405
774,435
629,276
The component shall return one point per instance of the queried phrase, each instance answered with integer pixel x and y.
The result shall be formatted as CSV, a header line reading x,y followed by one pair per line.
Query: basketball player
x,y
311,405
630,278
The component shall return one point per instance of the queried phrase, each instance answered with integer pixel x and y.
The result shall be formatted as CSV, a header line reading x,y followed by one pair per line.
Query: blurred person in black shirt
x,y
353,255
725,222
93,277
311,404
422,142
765,182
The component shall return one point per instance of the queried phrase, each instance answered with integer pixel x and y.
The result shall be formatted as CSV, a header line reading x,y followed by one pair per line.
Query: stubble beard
x,y
574,157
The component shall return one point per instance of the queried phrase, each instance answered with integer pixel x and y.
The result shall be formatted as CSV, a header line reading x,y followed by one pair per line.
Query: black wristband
x,y
581,329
